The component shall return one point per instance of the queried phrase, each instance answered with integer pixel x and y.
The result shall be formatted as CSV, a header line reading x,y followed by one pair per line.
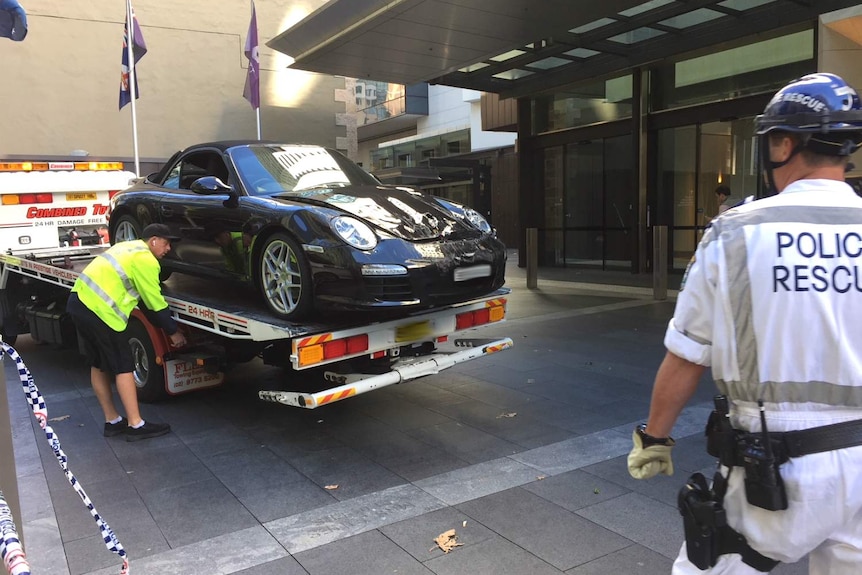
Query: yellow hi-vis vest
x,y
113,283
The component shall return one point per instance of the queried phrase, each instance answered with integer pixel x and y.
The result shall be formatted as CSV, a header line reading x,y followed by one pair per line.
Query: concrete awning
x,y
517,47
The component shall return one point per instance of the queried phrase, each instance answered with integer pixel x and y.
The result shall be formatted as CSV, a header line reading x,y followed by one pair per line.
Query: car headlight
x,y
354,232
478,221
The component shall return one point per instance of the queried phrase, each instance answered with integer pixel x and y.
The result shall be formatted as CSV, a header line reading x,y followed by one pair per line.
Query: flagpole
x,y
130,41
258,83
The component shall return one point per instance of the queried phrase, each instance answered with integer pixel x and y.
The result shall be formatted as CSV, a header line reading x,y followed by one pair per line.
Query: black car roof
x,y
223,145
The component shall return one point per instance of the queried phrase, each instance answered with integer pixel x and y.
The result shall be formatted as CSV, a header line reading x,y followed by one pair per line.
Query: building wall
x,y
60,86
841,55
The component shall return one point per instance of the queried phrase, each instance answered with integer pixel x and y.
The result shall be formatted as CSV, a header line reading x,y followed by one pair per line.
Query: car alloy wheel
x,y
127,230
284,277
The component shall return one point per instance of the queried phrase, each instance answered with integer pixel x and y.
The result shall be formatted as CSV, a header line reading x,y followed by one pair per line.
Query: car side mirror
x,y
211,186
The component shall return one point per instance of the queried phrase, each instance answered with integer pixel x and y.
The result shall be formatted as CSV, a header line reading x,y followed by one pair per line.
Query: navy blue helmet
x,y
823,108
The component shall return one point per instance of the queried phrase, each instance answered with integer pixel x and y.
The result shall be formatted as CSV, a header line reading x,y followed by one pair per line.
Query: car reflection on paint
x,y
310,230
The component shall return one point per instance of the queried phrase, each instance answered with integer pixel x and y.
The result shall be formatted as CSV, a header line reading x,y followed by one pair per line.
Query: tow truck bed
x,y
244,328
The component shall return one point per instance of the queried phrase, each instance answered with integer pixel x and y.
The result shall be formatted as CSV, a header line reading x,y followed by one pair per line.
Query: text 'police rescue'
x,y
822,274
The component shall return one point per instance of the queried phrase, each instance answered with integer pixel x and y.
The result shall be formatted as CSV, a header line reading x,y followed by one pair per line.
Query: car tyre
x,y
149,376
127,228
284,277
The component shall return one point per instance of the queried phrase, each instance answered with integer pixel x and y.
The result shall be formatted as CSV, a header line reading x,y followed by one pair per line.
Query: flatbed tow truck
x,y
359,353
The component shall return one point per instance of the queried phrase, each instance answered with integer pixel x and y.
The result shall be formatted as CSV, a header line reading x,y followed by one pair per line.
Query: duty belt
x,y
806,441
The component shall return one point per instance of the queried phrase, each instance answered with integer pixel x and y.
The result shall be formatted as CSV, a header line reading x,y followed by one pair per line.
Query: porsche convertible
x,y
310,230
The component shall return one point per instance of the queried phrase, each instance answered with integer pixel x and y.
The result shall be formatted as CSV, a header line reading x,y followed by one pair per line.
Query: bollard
x,y
532,258
659,262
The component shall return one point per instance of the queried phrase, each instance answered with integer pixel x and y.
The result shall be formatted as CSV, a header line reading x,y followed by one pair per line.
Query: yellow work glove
x,y
649,461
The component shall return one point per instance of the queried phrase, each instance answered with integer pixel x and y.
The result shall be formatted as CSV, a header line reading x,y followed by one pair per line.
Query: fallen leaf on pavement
x,y
335,486
60,418
512,414
447,541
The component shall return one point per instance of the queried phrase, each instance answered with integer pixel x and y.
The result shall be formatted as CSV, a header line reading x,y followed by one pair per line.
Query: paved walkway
x,y
521,453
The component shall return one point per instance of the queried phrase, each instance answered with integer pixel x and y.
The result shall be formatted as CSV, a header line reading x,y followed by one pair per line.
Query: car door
x,y
210,225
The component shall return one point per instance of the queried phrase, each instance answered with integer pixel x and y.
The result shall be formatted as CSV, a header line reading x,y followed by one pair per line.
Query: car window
x,y
270,169
173,179
193,166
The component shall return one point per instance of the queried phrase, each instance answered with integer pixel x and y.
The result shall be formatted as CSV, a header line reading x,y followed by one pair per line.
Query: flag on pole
x,y
139,48
252,79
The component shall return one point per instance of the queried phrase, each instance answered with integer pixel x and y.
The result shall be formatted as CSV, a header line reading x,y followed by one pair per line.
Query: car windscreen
x,y
267,170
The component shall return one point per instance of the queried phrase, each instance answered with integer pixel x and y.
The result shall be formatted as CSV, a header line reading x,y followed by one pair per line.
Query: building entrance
x,y
692,162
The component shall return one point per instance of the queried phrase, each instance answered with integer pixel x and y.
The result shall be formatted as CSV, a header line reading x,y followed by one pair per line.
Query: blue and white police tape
x,y
40,411
11,551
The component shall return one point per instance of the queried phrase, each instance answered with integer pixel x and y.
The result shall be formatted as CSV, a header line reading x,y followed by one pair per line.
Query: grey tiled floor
x,y
522,453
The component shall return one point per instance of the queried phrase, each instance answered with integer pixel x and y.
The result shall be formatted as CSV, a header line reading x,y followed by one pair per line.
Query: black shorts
x,y
104,348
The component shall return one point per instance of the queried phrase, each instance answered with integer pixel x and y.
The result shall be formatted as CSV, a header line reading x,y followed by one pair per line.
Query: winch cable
x,y
40,411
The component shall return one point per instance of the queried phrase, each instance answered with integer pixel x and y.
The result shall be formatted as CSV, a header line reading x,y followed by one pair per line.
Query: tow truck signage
x,y
183,376
56,204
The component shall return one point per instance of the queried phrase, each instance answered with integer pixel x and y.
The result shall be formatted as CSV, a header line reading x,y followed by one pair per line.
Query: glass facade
x,y
603,101
588,190
588,172
416,152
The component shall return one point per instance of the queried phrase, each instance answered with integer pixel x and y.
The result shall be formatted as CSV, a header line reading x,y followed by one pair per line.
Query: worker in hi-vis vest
x,y
101,303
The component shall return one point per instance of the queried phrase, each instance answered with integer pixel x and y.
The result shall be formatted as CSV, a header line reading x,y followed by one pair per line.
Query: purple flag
x,y
139,48
252,80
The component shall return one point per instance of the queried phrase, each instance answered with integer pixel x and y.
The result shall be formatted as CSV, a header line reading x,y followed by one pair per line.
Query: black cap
x,y
159,231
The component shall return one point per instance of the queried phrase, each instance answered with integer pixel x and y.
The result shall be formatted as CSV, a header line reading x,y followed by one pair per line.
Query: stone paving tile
x,y
633,560
416,535
223,555
354,474
464,441
196,511
334,522
259,478
575,490
477,480
646,521
284,566
491,557
523,518
368,553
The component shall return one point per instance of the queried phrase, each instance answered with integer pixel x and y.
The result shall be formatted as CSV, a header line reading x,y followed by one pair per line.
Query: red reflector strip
x,y
443,339
44,198
335,348
357,344
336,396
464,320
481,316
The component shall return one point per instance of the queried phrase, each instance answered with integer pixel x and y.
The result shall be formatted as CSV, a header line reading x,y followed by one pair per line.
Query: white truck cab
x,y
47,204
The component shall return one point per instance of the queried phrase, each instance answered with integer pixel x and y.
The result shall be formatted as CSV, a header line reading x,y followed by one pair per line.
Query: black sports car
x,y
310,229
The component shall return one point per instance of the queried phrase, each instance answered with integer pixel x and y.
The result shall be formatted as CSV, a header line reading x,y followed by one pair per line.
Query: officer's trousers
x,y
823,519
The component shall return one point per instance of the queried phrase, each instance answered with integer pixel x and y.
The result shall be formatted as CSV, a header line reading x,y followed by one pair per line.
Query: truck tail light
x,y
333,349
495,311
21,199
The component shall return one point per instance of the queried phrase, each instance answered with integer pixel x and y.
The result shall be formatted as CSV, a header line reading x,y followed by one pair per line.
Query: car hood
x,y
401,212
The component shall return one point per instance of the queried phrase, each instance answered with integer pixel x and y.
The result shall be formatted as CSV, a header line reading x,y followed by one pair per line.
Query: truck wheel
x,y
149,376
127,229
284,277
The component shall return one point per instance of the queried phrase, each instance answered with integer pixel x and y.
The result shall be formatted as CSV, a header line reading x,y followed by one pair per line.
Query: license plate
x,y
472,272
80,196
413,331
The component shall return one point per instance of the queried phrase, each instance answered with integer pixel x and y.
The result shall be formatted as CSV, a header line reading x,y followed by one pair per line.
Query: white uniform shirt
x,y
773,302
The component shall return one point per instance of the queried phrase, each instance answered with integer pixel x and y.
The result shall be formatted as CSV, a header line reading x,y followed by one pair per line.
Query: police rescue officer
x,y
772,302
101,303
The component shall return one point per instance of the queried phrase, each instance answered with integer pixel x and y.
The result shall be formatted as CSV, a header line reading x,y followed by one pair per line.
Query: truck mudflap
x,y
403,370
